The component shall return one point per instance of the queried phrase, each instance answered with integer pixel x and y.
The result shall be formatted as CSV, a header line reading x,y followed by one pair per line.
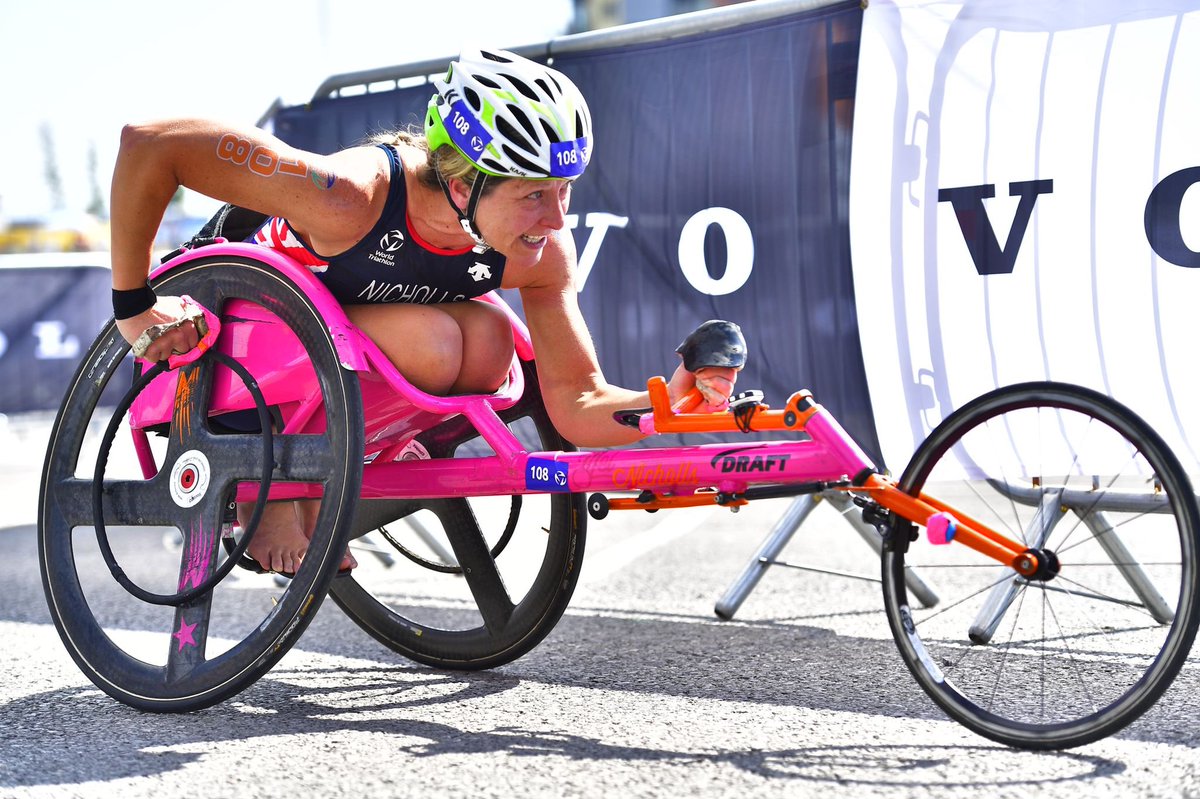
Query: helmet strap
x,y
467,219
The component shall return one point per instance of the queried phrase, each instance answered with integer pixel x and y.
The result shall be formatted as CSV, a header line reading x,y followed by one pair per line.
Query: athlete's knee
x,y
487,349
492,328
438,355
423,342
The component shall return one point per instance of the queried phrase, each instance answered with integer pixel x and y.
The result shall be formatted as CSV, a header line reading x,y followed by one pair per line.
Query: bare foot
x,y
283,533
307,510
279,542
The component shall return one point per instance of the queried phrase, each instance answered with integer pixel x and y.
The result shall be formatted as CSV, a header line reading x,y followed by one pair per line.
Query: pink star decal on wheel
x,y
184,634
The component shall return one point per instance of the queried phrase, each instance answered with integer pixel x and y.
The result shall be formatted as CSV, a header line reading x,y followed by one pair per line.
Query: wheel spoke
x,y
201,543
135,502
305,458
71,501
189,638
479,569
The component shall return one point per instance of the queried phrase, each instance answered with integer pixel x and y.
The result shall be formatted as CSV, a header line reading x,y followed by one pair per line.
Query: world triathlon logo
x,y
388,244
731,460
392,241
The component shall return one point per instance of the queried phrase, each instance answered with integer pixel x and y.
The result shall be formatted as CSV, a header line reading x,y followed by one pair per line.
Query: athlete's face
x,y
519,216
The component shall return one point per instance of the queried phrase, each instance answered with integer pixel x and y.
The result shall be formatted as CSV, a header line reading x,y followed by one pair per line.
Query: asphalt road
x,y
640,691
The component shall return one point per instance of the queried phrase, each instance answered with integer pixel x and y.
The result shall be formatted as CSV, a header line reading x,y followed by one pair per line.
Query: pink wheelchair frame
x,y
395,411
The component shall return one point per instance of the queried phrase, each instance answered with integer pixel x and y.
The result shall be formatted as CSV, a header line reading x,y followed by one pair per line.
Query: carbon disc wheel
x,y
165,532
488,582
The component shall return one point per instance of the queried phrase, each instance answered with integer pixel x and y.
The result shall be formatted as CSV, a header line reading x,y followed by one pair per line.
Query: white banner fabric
x,y
1024,207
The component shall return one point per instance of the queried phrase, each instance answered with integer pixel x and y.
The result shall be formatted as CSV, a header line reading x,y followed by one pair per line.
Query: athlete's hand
x,y
715,384
174,341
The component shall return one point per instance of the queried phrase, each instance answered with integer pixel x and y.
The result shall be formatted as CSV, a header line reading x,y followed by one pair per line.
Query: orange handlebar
x,y
688,402
680,419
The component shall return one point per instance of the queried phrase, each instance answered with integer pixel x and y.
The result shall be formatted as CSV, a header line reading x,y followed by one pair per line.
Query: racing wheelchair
x,y
1060,529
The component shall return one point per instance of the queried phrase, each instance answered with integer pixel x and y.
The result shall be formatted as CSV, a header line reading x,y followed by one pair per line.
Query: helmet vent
x,y
492,164
551,133
495,57
472,98
523,162
512,134
527,124
486,81
523,88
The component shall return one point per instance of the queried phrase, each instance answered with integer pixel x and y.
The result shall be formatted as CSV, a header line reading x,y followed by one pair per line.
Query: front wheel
x,y
1084,648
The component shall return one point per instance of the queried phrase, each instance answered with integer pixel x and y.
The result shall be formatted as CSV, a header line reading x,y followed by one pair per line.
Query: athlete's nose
x,y
554,213
557,203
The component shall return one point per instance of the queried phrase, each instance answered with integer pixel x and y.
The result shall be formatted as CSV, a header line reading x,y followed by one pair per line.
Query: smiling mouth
x,y
532,239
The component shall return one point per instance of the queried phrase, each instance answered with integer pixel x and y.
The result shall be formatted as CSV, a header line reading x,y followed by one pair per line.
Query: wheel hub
x,y
189,478
1048,566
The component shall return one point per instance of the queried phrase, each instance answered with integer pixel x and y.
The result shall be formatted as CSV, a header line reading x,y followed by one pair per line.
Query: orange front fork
x,y
970,533
679,419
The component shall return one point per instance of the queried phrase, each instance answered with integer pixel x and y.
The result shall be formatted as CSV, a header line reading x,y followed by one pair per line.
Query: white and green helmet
x,y
511,117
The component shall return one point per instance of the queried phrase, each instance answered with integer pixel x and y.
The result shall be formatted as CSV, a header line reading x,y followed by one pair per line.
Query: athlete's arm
x,y
579,400
329,198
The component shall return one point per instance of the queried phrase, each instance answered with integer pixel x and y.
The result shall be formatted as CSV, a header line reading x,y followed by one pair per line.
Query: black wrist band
x,y
131,302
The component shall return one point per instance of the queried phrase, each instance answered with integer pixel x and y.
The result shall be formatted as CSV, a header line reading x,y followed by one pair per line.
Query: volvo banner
x,y
718,188
1022,206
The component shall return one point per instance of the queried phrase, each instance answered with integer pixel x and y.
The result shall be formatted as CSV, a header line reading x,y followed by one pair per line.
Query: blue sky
x,y
85,67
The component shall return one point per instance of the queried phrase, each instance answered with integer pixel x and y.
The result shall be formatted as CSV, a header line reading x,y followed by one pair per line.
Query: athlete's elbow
x,y
154,137
137,136
143,160
585,430
140,145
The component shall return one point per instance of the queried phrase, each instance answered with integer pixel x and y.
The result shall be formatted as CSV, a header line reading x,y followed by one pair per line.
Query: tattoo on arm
x,y
265,162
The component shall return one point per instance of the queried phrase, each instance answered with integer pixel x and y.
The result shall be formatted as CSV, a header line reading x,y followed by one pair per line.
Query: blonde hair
x,y
446,161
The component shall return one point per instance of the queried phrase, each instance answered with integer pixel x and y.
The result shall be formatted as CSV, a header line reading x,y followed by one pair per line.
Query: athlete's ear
x,y
460,192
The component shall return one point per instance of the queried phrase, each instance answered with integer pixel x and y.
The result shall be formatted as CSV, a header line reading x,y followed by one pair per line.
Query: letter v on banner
x,y
977,229
598,223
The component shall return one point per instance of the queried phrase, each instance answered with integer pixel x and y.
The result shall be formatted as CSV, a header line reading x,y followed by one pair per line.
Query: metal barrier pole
x,y
1130,569
915,583
768,552
1008,582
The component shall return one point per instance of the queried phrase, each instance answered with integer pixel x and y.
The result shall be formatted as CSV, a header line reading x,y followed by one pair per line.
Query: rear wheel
x,y
1082,649
468,583
135,603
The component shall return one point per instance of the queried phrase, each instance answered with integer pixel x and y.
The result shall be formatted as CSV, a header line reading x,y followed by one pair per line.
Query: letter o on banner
x,y
1164,227
739,244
